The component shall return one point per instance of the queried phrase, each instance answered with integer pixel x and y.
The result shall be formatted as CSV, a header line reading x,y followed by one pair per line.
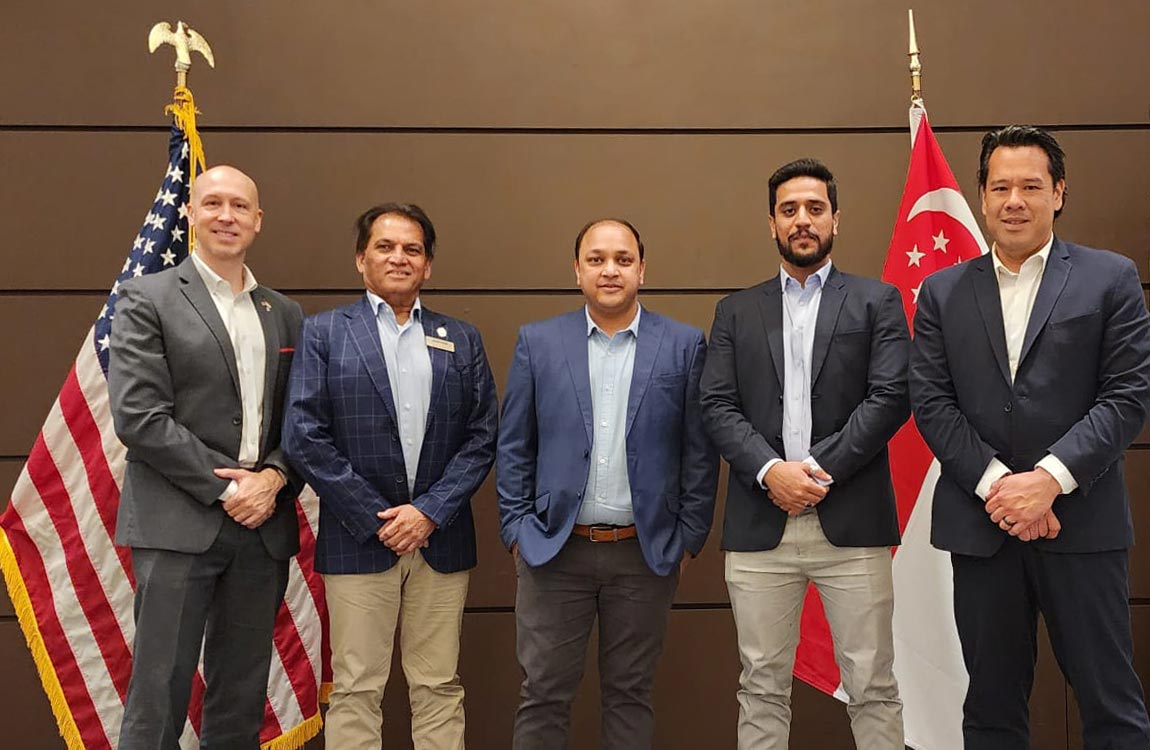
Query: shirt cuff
x,y
995,470
1058,470
762,475
811,462
228,491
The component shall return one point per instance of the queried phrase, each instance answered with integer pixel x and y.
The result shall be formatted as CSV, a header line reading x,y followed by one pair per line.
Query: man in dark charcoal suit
x,y
197,374
804,386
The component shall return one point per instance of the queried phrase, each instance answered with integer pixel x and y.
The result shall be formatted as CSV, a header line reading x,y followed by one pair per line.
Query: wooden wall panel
x,y
26,720
507,207
594,64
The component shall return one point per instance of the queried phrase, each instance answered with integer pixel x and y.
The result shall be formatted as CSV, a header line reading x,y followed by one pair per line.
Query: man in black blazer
x,y
1030,376
197,374
804,385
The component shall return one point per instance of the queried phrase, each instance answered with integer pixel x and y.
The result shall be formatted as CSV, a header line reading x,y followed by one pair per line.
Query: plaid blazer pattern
x,y
342,436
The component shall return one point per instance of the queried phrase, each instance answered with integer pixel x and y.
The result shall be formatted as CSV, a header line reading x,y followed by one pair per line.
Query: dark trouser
x,y
1084,601
555,607
226,597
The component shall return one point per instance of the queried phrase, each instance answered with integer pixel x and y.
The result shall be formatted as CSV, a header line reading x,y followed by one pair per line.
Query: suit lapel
x,y
440,360
990,308
365,333
269,322
193,288
771,310
575,349
830,303
1049,289
646,351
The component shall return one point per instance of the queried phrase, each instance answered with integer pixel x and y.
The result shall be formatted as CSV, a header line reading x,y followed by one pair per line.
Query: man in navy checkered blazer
x,y
391,418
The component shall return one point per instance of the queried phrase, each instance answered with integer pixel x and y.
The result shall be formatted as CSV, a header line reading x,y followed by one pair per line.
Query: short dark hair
x,y
1018,136
608,220
805,167
407,210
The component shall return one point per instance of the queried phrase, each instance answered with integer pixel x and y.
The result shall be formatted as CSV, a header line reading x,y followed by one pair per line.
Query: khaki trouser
x,y
364,609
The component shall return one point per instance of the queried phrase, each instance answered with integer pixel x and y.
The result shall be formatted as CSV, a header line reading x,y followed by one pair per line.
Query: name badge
x,y
445,345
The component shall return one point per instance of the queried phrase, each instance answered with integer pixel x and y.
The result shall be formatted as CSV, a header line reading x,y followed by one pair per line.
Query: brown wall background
x,y
512,124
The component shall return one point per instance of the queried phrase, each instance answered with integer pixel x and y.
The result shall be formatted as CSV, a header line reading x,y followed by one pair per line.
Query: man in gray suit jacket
x,y
198,366
804,385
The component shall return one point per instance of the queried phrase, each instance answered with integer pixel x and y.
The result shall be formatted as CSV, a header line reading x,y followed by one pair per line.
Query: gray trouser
x,y
555,606
226,597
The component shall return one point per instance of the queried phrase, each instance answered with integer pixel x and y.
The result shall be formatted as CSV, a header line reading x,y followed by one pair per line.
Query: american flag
x,y
72,588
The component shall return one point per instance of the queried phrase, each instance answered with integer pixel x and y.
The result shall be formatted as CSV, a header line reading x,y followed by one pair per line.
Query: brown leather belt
x,y
598,533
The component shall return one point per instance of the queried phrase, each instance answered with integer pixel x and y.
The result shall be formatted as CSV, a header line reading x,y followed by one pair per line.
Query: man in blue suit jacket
x,y
391,418
1029,377
606,485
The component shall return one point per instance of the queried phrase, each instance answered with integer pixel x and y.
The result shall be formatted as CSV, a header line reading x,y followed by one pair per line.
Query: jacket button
x,y
237,421
1008,408
400,480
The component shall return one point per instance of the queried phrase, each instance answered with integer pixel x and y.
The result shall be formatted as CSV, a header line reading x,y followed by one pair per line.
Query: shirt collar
x,y
375,301
216,283
592,326
1000,268
821,274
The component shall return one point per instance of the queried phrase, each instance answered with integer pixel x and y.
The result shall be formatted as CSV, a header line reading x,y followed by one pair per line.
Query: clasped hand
x,y
405,528
254,499
1020,504
792,487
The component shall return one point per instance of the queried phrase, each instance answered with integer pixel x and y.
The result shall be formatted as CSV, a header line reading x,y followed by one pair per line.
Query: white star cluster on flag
x,y
161,243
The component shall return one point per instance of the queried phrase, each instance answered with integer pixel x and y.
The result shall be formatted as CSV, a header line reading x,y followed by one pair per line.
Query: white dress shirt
x,y
243,325
1017,292
800,315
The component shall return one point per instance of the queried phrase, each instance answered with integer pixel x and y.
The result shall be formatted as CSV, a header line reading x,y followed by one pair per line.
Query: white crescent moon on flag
x,y
950,202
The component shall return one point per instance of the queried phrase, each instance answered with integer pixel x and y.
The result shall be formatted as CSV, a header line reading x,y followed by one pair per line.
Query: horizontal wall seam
x,y
542,130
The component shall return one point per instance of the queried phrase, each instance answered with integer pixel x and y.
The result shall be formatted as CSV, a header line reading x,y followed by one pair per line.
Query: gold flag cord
x,y
183,108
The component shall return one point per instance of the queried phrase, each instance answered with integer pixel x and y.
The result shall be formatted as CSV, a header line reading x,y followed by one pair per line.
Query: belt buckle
x,y
601,527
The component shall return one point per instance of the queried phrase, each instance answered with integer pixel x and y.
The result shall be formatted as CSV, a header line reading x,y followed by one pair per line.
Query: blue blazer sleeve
x,y
518,445
308,441
699,462
470,464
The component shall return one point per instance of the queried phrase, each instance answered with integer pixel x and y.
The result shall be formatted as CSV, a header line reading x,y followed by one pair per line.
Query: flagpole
x,y
915,65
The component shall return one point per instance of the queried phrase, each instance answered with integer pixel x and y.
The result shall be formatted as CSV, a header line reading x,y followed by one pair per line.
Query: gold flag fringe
x,y
297,736
18,593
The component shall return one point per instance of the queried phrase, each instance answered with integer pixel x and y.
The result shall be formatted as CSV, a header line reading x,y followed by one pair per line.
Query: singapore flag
x,y
935,228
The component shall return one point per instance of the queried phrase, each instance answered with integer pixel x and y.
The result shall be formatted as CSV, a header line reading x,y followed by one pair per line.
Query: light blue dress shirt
x,y
409,374
610,363
800,314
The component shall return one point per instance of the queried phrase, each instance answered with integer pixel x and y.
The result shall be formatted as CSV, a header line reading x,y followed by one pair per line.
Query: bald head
x,y
225,174
224,208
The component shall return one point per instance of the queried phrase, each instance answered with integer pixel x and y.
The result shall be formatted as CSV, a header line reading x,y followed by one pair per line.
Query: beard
x,y
811,259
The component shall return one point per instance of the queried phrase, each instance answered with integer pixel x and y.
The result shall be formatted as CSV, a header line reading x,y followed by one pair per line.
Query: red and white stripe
x,y
60,527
